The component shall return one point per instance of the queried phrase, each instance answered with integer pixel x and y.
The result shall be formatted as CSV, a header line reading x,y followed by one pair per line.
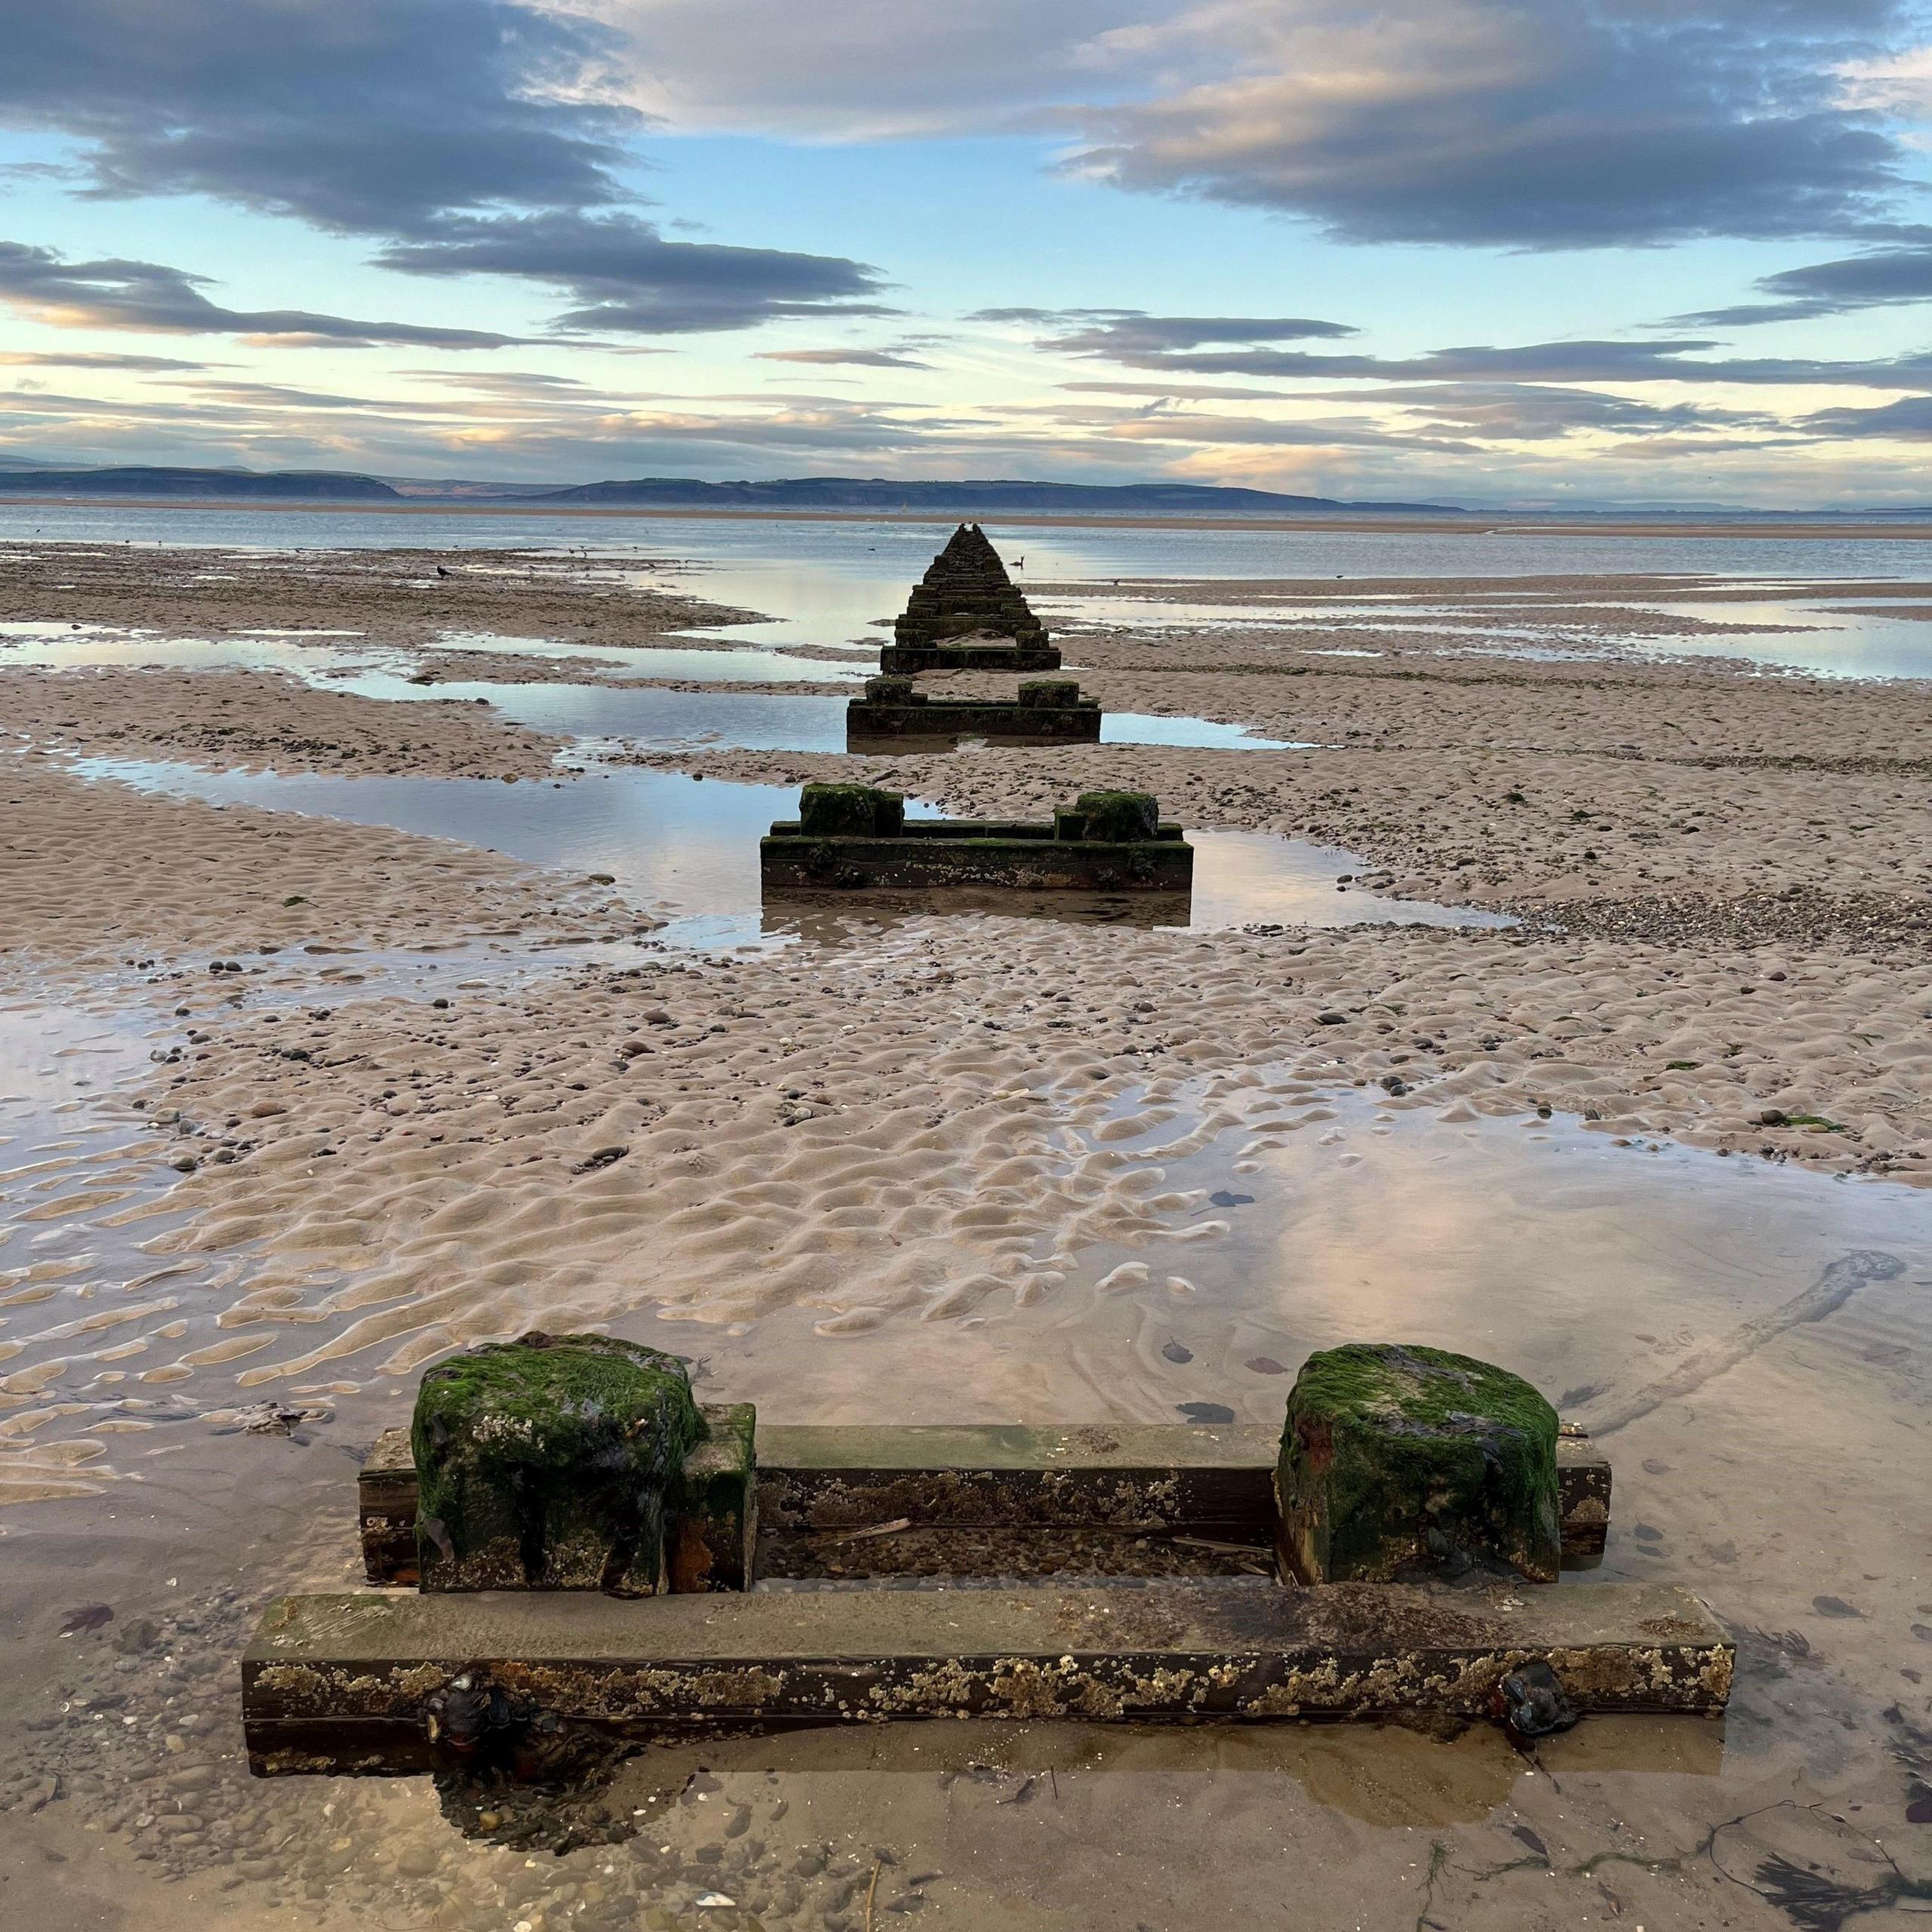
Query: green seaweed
x,y
547,1463
1113,818
1393,1455
850,811
1045,694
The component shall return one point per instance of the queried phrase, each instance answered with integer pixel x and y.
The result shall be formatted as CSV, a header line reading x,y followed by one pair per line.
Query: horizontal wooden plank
x,y
353,1682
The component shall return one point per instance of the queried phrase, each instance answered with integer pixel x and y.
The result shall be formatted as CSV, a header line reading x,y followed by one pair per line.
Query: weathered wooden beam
x,y
934,853
868,719
1093,1485
367,1683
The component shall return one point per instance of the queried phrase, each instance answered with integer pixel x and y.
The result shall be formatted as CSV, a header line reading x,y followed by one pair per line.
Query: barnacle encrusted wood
x,y
552,1463
1396,1456
348,1683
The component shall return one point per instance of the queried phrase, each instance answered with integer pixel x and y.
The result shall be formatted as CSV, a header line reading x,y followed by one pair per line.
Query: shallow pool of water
x,y
336,660
686,849
1825,637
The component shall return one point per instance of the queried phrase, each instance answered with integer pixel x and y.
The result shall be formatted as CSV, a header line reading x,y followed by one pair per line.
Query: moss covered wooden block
x,y
1396,1456
1046,693
554,1462
1110,818
850,811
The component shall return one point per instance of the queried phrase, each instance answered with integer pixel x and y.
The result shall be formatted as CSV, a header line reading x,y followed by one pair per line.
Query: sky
x,y
1494,252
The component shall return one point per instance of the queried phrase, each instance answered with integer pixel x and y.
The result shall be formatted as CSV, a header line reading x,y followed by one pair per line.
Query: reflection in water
x,y
686,849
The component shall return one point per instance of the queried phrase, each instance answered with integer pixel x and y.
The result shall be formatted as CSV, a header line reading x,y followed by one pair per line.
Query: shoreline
x,y
1448,522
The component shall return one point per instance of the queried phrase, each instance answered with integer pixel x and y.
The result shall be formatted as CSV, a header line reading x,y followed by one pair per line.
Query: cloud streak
x,y
1881,277
1675,359
118,293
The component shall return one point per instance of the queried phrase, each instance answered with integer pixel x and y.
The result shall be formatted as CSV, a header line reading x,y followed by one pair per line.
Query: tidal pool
x,y
686,849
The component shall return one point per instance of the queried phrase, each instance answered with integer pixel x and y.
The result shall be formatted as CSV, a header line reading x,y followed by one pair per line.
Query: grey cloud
x,y
534,383
1124,332
1538,124
1909,419
117,294
361,115
80,359
864,359
1680,359
1159,427
469,136
1530,411
866,69
1880,279
625,276
1183,392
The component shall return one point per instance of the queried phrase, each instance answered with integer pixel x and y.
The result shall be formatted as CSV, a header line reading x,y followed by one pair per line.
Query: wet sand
x,y
985,1169
403,596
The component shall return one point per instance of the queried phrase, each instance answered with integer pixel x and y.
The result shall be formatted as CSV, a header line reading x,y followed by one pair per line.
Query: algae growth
x,y
1395,1455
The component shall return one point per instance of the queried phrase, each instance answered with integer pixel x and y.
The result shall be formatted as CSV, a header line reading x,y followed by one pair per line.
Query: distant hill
x,y
994,497
311,485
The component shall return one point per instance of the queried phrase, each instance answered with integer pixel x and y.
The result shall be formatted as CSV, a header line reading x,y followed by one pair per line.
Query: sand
x,y
257,721
97,875
985,1169
404,597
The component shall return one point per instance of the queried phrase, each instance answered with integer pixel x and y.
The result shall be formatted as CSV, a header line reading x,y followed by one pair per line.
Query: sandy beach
x,y
375,1095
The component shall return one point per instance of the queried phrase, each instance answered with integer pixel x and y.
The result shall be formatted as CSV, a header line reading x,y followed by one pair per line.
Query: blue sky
x,y
1480,251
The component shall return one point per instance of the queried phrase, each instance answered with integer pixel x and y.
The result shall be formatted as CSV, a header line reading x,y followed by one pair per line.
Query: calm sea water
x,y
898,549
836,583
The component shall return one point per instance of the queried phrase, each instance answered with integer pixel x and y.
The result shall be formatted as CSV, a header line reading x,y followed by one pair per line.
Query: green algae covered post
x,y
1049,694
1394,1456
1111,818
850,811
554,1462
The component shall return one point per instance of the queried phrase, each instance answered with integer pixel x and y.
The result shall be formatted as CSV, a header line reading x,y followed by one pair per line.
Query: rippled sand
x,y
994,1169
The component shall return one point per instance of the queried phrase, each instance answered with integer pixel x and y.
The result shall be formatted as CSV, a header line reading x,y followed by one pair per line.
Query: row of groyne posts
x,y
967,615
568,1555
